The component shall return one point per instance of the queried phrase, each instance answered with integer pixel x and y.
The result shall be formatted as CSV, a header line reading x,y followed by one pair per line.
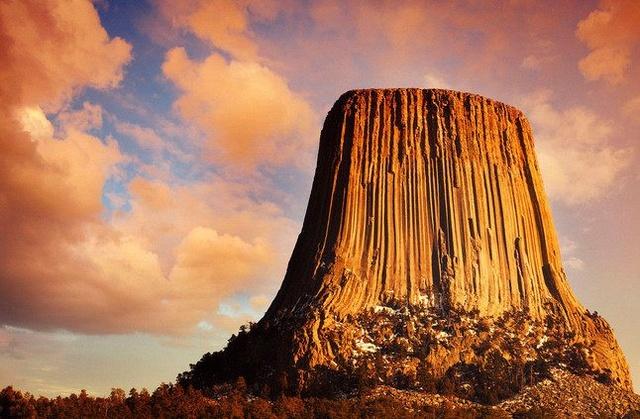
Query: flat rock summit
x,y
427,260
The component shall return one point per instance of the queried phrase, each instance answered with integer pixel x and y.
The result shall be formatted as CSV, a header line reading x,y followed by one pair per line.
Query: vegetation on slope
x,y
482,359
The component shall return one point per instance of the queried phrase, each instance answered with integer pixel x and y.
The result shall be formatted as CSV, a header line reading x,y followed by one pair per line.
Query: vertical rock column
x,y
428,196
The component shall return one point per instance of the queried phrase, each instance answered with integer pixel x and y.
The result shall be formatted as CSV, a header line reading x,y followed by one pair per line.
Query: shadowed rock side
x,y
424,198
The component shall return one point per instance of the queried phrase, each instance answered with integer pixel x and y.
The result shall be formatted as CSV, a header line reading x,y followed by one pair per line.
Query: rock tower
x,y
429,198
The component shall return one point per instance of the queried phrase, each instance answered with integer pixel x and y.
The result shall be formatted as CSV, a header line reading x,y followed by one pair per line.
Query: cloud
x,y
122,288
56,49
166,213
610,64
154,270
578,159
85,119
432,80
612,34
56,181
50,186
218,265
160,267
51,192
631,108
568,248
249,114
154,195
247,111
222,23
149,140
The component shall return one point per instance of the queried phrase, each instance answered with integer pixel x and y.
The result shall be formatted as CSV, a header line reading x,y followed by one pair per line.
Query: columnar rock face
x,y
431,197
427,196
427,245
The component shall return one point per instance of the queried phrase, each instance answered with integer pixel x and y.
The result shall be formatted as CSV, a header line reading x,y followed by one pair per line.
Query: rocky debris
x,y
571,396
412,399
563,395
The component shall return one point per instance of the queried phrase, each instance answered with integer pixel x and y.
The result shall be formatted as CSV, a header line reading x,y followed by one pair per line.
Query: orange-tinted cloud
x,y
211,266
248,112
122,287
50,186
161,268
612,33
57,48
62,264
154,195
164,215
223,23
632,108
50,190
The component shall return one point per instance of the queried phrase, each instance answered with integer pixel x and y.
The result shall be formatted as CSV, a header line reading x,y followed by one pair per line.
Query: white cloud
x,y
574,263
568,249
433,80
578,160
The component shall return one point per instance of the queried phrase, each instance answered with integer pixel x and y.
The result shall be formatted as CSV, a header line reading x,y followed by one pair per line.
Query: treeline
x,y
173,401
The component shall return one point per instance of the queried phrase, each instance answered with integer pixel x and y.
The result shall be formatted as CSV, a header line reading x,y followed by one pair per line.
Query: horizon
x,y
157,160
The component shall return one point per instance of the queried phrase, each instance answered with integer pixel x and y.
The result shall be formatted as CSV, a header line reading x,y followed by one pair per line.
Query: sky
x,y
156,158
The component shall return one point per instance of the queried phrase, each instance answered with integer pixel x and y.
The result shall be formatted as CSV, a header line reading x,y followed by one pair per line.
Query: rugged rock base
x,y
413,347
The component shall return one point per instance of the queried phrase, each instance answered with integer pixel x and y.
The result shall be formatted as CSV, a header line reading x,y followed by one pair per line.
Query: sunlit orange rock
x,y
429,198
434,197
